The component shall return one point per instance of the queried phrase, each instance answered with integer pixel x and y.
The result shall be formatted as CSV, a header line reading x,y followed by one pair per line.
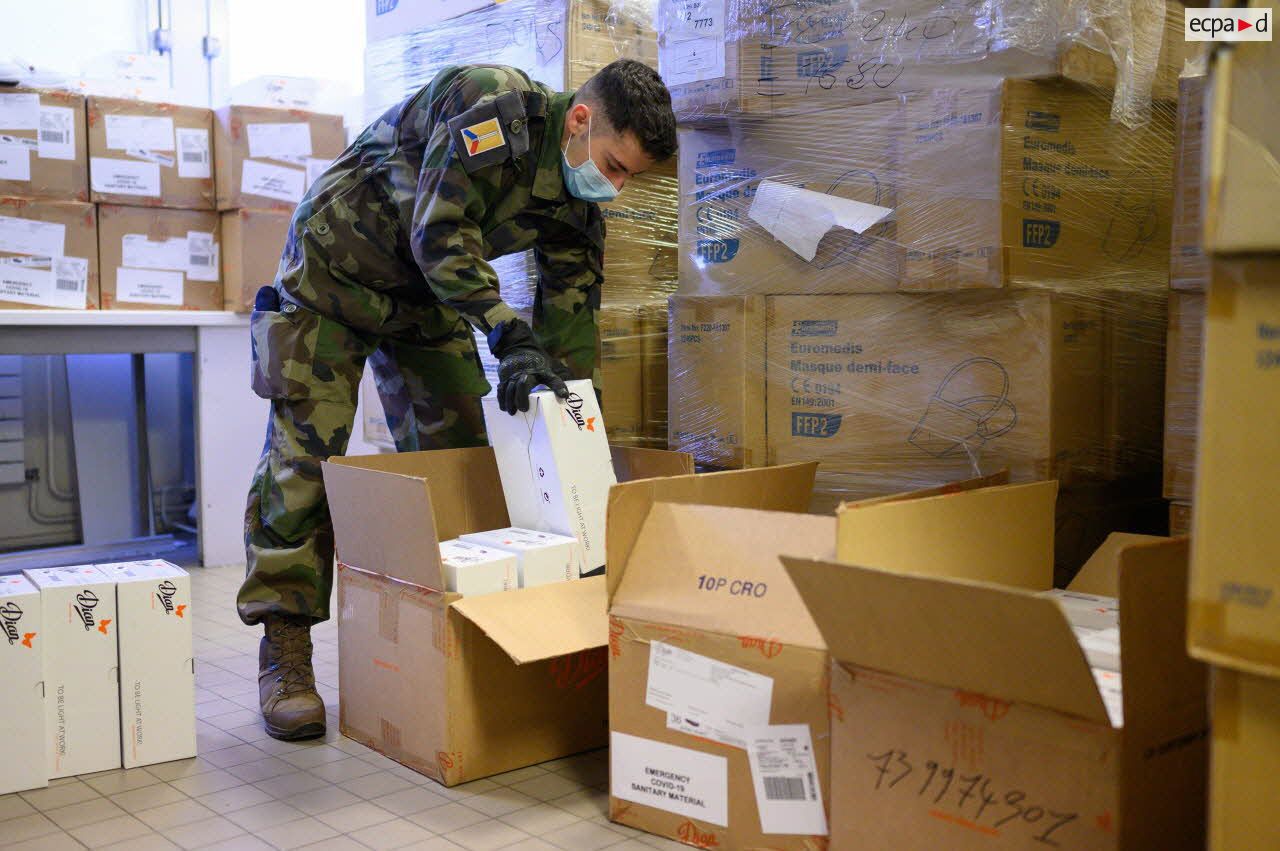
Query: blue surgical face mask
x,y
586,181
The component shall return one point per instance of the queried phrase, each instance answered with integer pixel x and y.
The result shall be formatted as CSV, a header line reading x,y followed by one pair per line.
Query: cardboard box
x,y
542,558
23,743
268,157
157,665
1182,393
653,325
159,259
1135,324
1190,269
727,237
716,371
596,34
1033,182
1235,602
813,56
641,240
471,569
81,662
939,737
252,243
904,391
457,687
1130,39
48,255
555,466
43,154
622,372
150,154
1179,519
1246,745
712,656
1243,146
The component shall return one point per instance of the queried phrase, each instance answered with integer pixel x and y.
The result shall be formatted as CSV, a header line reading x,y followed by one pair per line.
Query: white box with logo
x,y
542,557
555,466
157,673
471,569
81,686
22,741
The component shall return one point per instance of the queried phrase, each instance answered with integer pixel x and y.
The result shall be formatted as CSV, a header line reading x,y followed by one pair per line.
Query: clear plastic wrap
x,y
773,57
931,288
562,44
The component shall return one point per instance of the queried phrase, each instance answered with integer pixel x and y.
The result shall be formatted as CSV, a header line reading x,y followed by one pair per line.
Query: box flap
x,y
1101,573
787,488
998,478
532,624
384,517
975,636
1159,676
716,568
633,463
1000,534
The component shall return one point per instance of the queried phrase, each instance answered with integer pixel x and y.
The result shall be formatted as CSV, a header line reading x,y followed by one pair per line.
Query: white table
x,y
230,419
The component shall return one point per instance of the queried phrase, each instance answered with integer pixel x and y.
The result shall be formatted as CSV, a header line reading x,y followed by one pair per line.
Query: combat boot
x,y
291,707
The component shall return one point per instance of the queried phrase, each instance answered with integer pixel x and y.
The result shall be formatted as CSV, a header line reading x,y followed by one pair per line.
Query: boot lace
x,y
293,662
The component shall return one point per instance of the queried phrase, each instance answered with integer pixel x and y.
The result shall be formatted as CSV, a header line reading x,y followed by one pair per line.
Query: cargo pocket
x,y
298,354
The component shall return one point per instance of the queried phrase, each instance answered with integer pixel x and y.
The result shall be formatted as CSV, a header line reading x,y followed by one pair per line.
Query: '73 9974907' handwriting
x,y
933,783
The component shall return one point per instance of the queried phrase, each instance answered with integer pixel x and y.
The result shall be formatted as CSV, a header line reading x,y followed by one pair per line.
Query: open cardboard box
x,y
963,711
701,611
458,687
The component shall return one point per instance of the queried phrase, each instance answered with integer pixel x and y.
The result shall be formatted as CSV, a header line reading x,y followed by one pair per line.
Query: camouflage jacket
x,y
395,236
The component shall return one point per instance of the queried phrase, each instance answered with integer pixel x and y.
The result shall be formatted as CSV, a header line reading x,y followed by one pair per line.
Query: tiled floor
x,y
248,791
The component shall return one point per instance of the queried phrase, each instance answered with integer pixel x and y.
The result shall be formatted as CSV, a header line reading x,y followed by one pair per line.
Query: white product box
x,y
471,569
1087,611
81,686
542,557
1102,649
22,741
555,466
157,673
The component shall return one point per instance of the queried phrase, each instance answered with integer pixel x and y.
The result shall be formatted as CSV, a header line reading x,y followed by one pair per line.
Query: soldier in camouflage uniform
x,y
386,262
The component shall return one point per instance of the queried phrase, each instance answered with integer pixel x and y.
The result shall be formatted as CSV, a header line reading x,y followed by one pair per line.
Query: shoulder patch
x,y
491,133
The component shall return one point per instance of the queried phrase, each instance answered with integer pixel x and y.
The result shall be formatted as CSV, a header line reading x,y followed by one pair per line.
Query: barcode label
x,y
70,285
194,157
200,260
54,137
784,788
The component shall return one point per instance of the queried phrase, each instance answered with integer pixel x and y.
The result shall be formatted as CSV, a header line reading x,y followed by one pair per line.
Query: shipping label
x,y
677,780
149,286
202,257
193,153
279,140
705,697
25,236
139,252
124,177
15,160
273,181
57,133
19,112
139,132
785,775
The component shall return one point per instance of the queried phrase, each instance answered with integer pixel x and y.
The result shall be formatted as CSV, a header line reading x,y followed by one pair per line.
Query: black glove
x,y
523,365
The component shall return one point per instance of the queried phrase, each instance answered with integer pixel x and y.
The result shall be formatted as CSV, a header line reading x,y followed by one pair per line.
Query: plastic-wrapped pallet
x,y
929,288
729,57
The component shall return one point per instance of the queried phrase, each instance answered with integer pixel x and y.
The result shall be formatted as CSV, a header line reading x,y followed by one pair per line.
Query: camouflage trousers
x,y
309,367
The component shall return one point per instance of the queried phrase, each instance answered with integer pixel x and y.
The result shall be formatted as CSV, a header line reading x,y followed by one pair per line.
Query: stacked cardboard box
x,y
562,43
1234,622
944,284
266,158
151,175
48,231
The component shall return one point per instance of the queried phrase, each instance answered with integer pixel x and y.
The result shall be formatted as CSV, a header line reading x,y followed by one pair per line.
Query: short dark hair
x,y
635,100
